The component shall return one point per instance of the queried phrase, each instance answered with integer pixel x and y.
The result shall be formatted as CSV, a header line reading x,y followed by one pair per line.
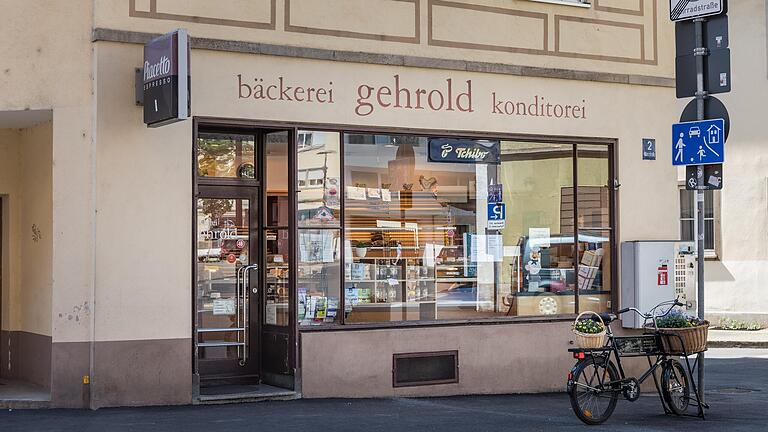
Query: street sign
x,y
497,211
717,73
713,109
649,149
713,177
497,216
715,34
698,143
689,9
495,193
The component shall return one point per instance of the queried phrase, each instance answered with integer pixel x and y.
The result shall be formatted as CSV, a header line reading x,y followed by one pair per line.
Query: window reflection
x,y
318,182
225,155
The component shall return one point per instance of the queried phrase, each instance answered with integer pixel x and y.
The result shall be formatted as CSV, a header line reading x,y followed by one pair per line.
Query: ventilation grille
x,y
416,369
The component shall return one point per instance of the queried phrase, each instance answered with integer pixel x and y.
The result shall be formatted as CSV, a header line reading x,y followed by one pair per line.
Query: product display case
x,y
276,290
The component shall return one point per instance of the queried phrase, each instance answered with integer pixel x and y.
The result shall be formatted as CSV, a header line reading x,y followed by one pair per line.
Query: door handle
x,y
243,312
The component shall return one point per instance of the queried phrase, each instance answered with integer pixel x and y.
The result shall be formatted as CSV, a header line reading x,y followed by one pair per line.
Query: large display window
x,y
431,228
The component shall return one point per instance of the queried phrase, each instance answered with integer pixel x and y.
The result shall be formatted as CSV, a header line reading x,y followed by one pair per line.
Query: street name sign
x,y
698,143
680,10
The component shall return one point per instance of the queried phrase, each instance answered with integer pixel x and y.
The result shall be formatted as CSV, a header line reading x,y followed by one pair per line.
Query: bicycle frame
x,y
612,349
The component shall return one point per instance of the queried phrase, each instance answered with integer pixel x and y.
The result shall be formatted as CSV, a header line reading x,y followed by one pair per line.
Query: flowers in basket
x,y
590,334
588,326
679,319
684,335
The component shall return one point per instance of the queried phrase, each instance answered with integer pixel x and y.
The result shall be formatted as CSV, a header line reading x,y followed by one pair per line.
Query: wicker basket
x,y
694,339
589,340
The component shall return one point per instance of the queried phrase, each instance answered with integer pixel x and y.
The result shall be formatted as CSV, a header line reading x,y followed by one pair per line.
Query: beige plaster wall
x,y
10,144
144,175
736,281
47,65
144,202
35,190
25,183
512,358
629,37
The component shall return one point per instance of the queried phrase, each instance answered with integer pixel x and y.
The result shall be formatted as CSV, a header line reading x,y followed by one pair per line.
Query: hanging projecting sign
x,y
166,79
689,9
457,150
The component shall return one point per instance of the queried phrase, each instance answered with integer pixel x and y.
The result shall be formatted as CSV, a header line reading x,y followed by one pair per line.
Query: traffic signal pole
x,y
701,94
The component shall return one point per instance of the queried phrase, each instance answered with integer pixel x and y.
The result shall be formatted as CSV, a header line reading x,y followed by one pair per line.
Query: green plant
x,y
732,324
588,326
362,244
678,319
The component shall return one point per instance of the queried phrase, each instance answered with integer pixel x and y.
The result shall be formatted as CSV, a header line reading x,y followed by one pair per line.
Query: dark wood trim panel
x,y
611,143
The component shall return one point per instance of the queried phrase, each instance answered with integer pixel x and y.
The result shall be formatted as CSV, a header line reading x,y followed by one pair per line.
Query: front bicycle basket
x,y
634,346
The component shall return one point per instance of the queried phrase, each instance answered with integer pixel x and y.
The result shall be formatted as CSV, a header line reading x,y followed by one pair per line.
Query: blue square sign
x,y
497,211
698,143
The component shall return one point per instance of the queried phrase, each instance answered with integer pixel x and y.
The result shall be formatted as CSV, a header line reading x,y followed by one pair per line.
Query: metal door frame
x,y
252,322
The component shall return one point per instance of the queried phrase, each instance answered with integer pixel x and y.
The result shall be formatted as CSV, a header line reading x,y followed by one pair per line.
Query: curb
x,y
737,344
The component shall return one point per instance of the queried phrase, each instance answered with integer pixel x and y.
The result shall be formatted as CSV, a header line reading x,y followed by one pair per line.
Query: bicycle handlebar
x,y
651,314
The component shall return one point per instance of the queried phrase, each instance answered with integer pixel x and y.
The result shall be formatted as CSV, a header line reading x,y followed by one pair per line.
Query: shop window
x,y
319,183
318,279
420,243
225,156
539,273
595,228
688,219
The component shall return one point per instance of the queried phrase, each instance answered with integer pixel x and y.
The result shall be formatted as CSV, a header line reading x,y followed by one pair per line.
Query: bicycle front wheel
x,y
592,398
674,387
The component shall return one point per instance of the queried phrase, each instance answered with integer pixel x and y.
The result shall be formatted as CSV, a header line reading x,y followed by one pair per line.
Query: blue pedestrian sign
x,y
698,143
497,211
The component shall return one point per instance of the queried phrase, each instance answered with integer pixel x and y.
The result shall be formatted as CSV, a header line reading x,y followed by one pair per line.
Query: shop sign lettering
x,y
166,79
457,150
401,93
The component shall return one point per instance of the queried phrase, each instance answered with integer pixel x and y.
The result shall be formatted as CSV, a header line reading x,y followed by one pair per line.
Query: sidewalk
x,y
738,339
737,391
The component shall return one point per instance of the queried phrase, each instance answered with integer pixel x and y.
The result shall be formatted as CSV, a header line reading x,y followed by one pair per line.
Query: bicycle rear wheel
x,y
592,399
674,387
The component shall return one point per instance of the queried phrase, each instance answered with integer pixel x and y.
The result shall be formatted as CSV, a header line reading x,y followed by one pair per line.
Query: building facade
x,y
736,216
372,198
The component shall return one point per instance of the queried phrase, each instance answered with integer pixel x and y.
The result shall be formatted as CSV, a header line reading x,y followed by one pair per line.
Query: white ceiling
x,y
23,119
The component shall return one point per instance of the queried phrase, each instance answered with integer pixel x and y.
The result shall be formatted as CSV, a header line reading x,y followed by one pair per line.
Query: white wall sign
x,y
680,10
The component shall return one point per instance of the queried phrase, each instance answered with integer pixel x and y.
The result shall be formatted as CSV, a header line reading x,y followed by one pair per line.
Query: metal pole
x,y
701,94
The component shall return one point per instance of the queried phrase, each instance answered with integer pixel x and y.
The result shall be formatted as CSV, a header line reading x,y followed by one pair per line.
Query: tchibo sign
x,y
166,79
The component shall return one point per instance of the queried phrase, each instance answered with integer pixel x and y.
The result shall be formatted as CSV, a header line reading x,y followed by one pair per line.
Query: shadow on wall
x,y
716,271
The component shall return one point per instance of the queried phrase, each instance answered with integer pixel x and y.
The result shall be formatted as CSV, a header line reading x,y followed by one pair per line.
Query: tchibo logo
x,y
152,71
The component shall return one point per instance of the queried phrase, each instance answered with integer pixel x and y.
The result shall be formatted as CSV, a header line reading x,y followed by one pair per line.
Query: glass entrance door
x,y
227,287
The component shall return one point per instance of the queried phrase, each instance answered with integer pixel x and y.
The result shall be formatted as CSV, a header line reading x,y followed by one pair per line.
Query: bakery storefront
x,y
400,254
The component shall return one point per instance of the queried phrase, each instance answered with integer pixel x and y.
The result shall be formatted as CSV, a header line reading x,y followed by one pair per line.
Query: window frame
x,y
295,127
709,253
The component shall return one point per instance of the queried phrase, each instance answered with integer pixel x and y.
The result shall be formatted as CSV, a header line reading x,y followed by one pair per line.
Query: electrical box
x,y
653,272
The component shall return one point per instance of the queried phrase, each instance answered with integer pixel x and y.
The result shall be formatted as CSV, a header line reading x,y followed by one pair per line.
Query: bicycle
x,y
595,382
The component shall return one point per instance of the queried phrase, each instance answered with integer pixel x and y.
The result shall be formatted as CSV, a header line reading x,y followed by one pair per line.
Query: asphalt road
x,y
737,393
